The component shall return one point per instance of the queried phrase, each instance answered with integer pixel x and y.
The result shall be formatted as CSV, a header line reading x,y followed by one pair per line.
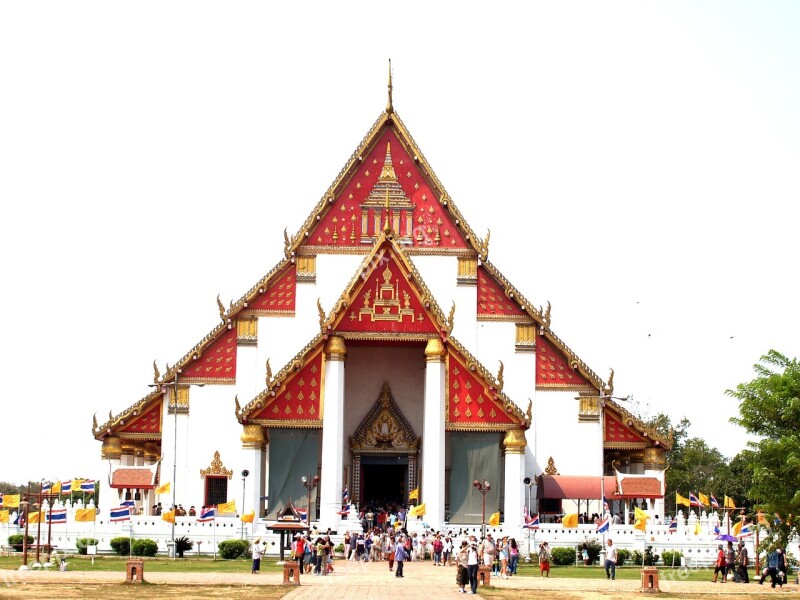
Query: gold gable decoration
x,y
384,429
551,467
216,468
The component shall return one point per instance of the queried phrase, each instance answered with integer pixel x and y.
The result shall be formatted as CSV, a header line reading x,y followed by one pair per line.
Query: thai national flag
x,y
604,525
530,522
1,499
207,514
605,505
88,485
673,525
47,488
745,531
303,512
57,515
716,529
121,513
66,486
345,496
129,503
345,510
693,501
714,502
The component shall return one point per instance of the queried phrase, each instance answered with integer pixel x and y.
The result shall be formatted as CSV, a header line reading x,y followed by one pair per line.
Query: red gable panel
x,y
385,301
354,220
470,402
619,433
147,422
493,304
279,299
553,369
300,396
217,364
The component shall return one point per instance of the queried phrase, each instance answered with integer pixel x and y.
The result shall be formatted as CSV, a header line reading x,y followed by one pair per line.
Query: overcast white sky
x,y
637,164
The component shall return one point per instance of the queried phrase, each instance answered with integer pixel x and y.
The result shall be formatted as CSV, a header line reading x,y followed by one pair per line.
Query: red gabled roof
x,y
147,423
619,434
638,487
217,363
553,368
279,298
142,478
493,304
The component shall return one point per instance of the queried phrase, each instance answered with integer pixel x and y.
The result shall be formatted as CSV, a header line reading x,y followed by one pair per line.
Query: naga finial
x,y
451,319
238,407
287,244
610,385
500,382
221,308
529,412
389,105
485,246
269,373
546,315
321,312
156,373
94,422
110,416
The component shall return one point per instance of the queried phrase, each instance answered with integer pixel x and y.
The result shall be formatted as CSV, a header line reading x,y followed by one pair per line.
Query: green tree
x,y
769,407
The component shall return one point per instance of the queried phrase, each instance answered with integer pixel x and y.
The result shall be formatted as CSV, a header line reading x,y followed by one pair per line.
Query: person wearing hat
x,y
488,550
257,553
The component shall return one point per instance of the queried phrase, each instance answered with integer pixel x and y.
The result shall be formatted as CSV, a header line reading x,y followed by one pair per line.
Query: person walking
x,y
719,564
488,550
730,563
257,553
472,568
390,551
502,553
462,567
513,556
544,559
742,561
400,556
611,561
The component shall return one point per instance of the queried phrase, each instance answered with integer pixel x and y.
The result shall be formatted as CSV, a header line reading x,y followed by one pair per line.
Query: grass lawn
x,y
157,564
131,592
626,572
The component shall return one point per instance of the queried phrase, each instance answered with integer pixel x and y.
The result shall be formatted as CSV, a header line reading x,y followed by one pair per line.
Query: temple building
x,y
384,352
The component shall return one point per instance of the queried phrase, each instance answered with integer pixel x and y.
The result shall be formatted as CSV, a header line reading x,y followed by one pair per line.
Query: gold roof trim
x,y
115,421
631,420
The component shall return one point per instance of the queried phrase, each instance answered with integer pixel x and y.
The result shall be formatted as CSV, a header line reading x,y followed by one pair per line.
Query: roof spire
x,y
389,106
387,226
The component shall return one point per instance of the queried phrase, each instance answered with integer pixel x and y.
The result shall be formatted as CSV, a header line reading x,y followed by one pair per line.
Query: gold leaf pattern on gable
x,y
480,413
299,410
456,413
468,413
312,396
287,410
301,382
468,399
313,382
492,414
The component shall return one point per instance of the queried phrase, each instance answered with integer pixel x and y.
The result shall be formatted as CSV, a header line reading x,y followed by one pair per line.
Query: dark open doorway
x,y
383,480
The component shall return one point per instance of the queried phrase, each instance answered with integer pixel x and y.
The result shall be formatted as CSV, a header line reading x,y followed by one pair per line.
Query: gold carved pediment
x,y
216,468
384,429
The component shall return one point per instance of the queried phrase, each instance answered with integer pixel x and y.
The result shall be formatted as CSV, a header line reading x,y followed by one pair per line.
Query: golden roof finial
x,y
387,226
387,172
389,107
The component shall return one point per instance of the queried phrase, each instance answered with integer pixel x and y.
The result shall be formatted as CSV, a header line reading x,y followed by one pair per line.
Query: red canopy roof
x,y
576,487
137,478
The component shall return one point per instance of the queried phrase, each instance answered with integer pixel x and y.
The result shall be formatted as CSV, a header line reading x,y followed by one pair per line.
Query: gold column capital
x,y
434,350
112,448
515,442
253,436
335,348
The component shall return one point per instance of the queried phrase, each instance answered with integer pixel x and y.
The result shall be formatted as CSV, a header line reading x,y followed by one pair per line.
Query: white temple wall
x,y
334,272
440,275
279,340
573,445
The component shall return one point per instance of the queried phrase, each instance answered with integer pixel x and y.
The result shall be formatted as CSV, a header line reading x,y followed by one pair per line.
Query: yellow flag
x,y
76,485
703,499
227,507
56,489
11,501
417,511
35,517
494,520
164,489
85,515
641,518
248,517
570,521
681,500
737,527
3,516
414,494
697,528
762,520
730,502
168,516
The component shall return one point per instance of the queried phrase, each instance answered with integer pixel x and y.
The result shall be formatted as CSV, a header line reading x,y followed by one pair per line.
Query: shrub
x,y
668,556
230,549
339,549
145,547
563,556
81,544
183,544
649,558
624,555
17,539
594,547
121,545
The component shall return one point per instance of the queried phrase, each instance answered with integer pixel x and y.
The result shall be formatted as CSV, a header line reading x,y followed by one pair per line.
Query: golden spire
x,y
387,172
389,107
387,226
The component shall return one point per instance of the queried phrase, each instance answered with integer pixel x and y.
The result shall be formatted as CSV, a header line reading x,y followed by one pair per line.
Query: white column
x,y
330,485
432,491
253,441
514,443
174,423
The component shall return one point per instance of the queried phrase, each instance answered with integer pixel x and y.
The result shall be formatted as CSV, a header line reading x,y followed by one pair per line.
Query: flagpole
x,y
214,527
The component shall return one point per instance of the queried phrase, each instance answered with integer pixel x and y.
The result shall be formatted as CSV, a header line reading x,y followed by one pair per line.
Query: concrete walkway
x,y
374,581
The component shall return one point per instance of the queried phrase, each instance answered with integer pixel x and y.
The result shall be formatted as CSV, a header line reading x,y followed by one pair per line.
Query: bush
x,y
594,547
81,544
563,556
339,549
121,545
624,555
17,539
183,544
145,547
649,558
230,549
668,556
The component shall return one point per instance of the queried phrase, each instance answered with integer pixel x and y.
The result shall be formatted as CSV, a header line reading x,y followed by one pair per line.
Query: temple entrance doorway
x,y
383,480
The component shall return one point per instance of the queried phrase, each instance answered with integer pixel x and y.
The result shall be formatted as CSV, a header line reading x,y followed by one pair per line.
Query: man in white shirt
x,y
611,561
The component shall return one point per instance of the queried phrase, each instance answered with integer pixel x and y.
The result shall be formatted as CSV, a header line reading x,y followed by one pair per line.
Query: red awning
x,y
576,487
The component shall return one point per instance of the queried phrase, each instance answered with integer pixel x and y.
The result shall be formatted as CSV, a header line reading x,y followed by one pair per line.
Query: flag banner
x,y
345,496
680,500
570,521
531,522
745,531
417,511
47,488
57,515
345,510
730,502
494,520
121,513
168,516
693,501
11,501
762,520
206,514
66,486
714,502
56,488
76,485
717,530
641,518
414,494
1,499
703,499
673,525
303,512
34,517
604,525
698,529
88,486
85,515
227,508
129,503
249,517
164,489
605,505
4,516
